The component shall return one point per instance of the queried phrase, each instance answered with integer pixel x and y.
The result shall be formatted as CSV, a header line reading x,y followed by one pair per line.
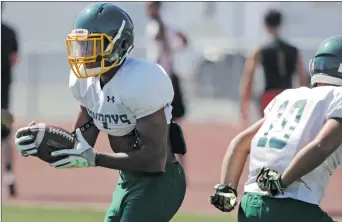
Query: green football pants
x,y
256,208
142,197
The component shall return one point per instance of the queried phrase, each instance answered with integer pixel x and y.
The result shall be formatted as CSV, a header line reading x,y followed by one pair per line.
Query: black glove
x,y
270,180
225,197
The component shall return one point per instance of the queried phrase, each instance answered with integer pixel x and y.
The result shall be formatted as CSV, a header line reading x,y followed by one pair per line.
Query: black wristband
x,y
85,127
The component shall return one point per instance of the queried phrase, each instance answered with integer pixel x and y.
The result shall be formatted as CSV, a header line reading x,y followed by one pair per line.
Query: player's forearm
x,y
82,118
89,134
304,162
314,154
135,161
233,164
237,153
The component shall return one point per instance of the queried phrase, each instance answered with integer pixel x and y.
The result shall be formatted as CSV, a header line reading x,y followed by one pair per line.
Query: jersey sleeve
x,y
150,94
334,109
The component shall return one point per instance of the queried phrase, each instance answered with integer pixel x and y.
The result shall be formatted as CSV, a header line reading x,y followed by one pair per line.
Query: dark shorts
x,y
152,198
259,208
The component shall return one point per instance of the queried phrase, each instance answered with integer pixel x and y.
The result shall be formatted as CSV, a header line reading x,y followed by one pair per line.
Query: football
x,y
49,138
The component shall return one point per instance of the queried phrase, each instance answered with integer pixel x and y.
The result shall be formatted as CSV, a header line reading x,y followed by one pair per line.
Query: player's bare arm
x,y
236,155
302,74
151,156
247,82
314,154
225,197
91,133
305,161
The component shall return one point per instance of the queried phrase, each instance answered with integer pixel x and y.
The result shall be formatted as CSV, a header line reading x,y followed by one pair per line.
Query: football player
x,y
128,99
300,135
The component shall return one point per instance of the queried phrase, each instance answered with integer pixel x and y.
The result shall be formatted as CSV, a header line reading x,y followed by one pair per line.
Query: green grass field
x,y
35,214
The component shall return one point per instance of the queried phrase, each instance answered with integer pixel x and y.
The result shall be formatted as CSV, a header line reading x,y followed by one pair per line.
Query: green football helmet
x,y
326,66
101,38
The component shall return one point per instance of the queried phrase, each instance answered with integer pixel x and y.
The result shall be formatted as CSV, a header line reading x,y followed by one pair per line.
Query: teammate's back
x,y
279,61
292,120
293,150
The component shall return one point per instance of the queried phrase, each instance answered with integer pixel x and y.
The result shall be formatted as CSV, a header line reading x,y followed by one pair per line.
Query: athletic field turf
x,y
34,214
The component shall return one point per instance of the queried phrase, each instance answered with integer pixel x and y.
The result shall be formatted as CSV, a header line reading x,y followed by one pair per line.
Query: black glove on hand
x,y
270,180
225,197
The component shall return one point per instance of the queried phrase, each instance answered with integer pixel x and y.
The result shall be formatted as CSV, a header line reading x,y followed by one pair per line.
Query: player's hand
x,y
83,155
270,180
225,197
25,144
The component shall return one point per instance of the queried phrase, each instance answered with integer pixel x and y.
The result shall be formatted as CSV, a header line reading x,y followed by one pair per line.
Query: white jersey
x,y
139,88
292,120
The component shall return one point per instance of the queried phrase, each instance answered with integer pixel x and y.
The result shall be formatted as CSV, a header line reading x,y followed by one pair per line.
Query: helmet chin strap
x,y
91,71
124,56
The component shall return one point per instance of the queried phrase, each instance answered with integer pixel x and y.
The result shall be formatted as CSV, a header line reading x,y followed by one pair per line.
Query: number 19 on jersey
x,y
281,125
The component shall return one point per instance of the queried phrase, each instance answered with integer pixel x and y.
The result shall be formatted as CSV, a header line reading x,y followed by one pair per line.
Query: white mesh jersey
x,y
138,89
292,120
